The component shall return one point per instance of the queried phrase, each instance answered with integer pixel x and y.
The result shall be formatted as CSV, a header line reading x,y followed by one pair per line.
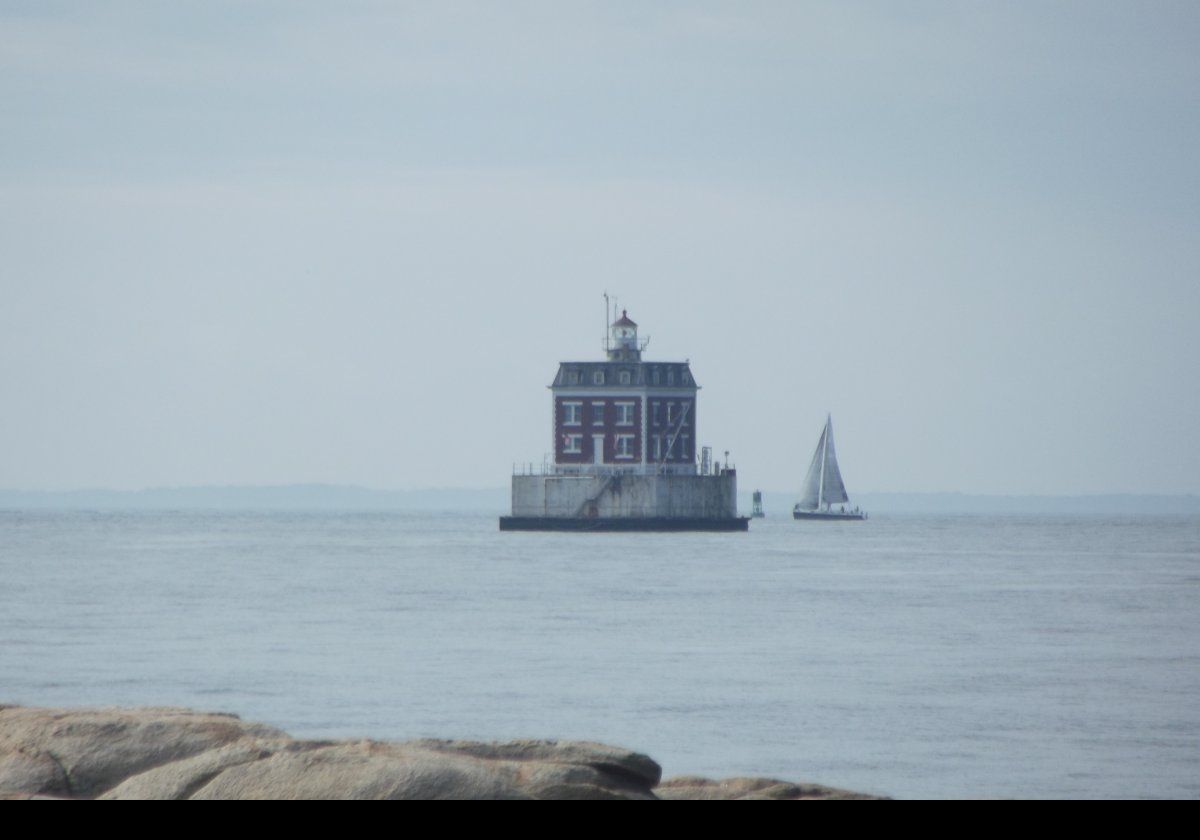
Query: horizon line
x,y
499,488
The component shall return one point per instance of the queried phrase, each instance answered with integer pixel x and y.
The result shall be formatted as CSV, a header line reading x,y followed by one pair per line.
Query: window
x,y
597,414
657,447
624,446
670,413
572,444
624,414
683,448
670,376
598,377
572,377
572,413
656,376
656,412
623,377
686,378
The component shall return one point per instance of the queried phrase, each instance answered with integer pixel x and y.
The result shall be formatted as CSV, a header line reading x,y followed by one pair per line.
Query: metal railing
x,y
548,467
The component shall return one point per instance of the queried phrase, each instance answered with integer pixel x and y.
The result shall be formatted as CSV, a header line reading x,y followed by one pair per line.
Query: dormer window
x,y
624,377
686,377
670,376
572,377
598,377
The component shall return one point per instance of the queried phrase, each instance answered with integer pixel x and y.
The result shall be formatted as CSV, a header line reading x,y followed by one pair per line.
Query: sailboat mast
x,y
824,445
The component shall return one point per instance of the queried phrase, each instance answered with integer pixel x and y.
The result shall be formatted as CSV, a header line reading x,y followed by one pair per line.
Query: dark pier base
x,y
640,523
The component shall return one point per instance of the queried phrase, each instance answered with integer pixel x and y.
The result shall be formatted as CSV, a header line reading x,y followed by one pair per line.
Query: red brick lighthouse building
x,y
625,453
623,414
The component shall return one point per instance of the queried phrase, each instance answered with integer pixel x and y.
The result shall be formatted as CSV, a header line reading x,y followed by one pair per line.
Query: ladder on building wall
x,y
662,460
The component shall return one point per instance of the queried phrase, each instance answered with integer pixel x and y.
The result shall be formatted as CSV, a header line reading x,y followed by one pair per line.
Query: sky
x,y
289,242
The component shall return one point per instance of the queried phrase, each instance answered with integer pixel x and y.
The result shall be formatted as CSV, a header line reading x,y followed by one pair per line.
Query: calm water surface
x,y
911,656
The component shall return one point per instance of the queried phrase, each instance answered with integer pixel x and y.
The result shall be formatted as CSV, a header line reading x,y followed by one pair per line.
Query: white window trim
x,y
624,408
568,405
573,445
629,455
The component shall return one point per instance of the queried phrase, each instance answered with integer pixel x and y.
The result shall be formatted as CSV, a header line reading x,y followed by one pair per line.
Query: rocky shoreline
x,y
172,753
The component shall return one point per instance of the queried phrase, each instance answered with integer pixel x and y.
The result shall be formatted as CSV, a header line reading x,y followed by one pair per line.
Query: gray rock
x,y
361,770
181,754
159,753
375,770
611,768
182,779
96,749
697,787
31,771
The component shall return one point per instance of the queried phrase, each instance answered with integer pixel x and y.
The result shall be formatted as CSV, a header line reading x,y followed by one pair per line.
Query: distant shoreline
x,y
323,497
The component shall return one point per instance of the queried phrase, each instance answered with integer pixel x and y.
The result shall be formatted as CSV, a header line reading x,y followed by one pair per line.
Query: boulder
x,y
84,752
183,779
585,767
411,770
697,787
361,770
168,753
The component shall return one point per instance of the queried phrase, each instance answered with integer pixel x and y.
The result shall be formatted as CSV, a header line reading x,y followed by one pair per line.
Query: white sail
x,y
810,496
823,485
833,491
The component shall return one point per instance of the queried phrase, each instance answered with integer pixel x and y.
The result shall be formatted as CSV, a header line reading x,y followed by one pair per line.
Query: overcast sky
x,y
259,243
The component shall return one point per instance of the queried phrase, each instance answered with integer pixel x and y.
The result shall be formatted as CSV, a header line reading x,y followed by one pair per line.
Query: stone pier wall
x,y
626,496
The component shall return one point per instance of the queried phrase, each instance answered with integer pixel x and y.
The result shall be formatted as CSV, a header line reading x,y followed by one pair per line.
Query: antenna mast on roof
x,y
606,322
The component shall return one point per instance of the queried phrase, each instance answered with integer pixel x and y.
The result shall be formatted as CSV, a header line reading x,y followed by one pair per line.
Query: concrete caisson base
x,y
624,502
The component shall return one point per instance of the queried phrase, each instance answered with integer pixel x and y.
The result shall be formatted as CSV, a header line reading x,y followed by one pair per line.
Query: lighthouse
x,y
624,450
623,415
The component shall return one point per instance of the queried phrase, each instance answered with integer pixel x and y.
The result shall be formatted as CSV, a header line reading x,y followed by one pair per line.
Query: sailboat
x,y
823,485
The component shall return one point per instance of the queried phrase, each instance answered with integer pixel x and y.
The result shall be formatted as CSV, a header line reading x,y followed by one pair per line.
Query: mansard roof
x,y
641,374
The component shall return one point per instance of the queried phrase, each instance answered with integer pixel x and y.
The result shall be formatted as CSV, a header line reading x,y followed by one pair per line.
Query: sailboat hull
x,y
828,516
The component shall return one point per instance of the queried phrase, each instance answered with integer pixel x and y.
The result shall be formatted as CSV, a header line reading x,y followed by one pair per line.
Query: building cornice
x,y
618,391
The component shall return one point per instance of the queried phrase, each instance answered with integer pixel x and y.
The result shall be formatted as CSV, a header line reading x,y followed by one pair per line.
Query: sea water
x,y
911,656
